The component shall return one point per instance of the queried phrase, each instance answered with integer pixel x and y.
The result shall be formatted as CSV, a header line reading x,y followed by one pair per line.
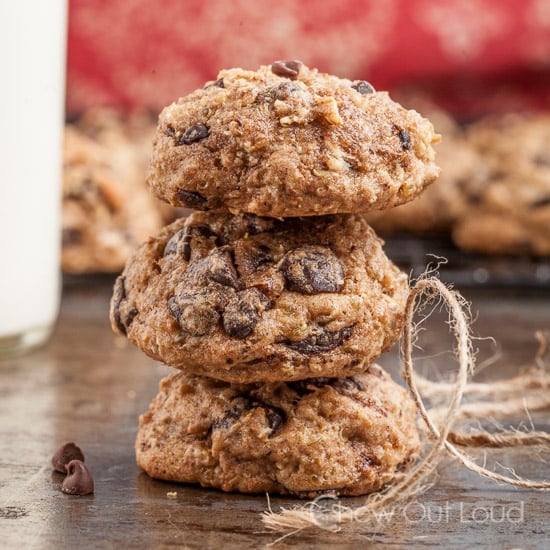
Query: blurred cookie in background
x,y
107,210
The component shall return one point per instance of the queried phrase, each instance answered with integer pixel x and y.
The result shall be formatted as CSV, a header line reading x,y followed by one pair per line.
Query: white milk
x,y
32,86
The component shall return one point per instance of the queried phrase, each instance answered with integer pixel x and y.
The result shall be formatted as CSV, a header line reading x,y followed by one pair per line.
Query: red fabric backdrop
x,y
471,56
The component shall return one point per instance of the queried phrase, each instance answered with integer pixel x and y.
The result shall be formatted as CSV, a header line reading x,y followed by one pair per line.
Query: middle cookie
x,y
245,299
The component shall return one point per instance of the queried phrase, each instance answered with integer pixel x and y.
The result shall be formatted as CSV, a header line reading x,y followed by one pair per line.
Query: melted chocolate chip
x,y
130,316
274,416
319,343
64,454
363,87
181,242
404,137
196,314
72,236
170,132
341,385
312,270
79,480
289,69
540,203
242,313
280,91
191,199
220,268
216,84
193,134
119,295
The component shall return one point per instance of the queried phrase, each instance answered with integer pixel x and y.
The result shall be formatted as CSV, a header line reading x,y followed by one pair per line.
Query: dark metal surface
x,y
89,386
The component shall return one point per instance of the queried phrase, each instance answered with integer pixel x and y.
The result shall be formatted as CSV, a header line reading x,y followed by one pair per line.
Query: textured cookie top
x,y
287,141
349,436
244,299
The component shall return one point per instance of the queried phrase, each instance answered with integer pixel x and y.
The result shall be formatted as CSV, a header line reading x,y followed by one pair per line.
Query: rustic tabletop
x,y
89,386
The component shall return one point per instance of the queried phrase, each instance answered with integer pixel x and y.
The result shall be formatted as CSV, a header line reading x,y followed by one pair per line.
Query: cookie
x,y
437,208
287,141
509,213
347,436
107,210
245,299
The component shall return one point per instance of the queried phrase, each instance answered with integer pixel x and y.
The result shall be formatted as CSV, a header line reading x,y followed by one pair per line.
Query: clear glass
x,y
32,70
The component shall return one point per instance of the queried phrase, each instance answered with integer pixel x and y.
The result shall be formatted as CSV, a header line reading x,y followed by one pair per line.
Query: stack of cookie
x,y
275,298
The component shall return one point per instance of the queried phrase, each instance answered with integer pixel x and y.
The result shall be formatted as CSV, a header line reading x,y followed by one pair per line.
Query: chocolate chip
x,y
216,84
280,91
196,314
79,480
130,316
119,295
170,132
71,236
312,269
193,134
363,87
290,69
275,417
191,199
242,313
64,454
404,137
540,203
181,241
220,268
351,384
319,343
301,387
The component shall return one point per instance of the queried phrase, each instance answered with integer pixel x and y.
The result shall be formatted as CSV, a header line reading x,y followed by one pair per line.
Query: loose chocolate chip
x,y
181,241
540,203
64,454
363,87
312,269
404,137
242,313
79,480
191,199
193,134
319,343
119,295
290,69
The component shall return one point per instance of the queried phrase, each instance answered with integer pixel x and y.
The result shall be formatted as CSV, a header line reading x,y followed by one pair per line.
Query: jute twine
x,y
525,392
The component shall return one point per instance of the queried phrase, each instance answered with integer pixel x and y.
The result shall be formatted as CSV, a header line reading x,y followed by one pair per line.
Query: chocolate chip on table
x,y
312,270
191,199
404,136
242,313
65,453
193,134
319,343
363,87
290,69
79,480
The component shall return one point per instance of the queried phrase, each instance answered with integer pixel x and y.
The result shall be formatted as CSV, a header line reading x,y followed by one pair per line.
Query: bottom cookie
x,y
347,436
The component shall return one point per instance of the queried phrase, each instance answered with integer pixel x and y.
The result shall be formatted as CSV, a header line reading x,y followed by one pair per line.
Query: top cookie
x,y
288,141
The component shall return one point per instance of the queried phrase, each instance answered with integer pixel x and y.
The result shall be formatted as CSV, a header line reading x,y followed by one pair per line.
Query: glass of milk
x,y
32,91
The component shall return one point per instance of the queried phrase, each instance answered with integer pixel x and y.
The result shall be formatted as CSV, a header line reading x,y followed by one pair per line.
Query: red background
x,y
471,56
